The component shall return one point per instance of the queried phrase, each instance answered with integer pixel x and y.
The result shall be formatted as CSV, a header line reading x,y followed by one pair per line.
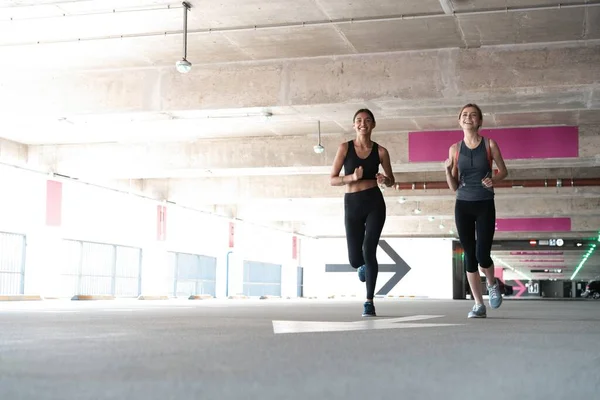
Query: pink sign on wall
x,y
515,143
533,225
161,223
53,203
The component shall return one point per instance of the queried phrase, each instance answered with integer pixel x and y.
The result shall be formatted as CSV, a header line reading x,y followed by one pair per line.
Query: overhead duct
x,y
518,183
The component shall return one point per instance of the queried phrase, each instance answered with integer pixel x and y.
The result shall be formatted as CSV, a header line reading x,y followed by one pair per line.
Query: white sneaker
x,y
495,297
478,311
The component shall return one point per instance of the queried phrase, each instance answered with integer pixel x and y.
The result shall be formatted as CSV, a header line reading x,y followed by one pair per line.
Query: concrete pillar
x,y
43,264
155,270
289,279
236,273
225,267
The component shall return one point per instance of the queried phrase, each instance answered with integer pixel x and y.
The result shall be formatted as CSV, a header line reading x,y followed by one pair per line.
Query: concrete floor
x,y
227,349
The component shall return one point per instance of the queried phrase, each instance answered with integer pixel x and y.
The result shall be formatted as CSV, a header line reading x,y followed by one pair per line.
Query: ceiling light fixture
x,y
264,116
183,65
402,200
442,225
431,218
417,210
318,148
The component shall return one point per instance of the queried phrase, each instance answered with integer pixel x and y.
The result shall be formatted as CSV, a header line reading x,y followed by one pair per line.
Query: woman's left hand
x,y
381,179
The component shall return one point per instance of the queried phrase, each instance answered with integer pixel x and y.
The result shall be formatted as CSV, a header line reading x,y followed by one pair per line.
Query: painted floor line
x,y
281,327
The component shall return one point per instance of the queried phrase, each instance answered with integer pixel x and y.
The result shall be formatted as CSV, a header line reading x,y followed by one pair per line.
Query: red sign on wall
x,y
161,223
294,247
231,234
53,203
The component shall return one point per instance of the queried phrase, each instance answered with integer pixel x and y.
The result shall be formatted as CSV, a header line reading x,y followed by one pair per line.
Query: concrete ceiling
x,y
89,90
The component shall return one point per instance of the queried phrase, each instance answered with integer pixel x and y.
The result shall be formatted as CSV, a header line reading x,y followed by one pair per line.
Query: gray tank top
x,y
473,167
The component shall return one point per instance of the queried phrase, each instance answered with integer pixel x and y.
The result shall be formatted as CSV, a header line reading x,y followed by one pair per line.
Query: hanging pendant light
x,y
183,65
318,148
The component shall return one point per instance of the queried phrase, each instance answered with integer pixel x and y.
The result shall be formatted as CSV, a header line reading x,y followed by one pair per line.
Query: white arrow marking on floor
x,y
330,326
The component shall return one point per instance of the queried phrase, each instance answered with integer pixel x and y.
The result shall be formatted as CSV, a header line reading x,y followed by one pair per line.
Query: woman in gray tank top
x,y
469,173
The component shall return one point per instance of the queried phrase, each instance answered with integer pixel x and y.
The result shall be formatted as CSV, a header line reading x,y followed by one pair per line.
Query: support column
x,y
44,247
155,259
289,273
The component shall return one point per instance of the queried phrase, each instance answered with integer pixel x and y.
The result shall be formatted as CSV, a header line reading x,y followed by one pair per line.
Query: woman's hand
x,y
448,164
487,182
357,174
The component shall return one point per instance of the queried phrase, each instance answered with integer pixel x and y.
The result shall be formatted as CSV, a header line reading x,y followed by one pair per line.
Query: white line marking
x,y
280,327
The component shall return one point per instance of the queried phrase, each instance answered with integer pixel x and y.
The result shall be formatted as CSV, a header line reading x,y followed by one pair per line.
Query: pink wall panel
x,y
515,143
533,224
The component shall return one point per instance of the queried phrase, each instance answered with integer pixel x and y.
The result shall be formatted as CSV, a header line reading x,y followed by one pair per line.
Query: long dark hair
x,y
365,110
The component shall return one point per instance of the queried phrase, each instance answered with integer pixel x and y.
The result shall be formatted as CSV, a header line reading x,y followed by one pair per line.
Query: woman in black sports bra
x,y
364,206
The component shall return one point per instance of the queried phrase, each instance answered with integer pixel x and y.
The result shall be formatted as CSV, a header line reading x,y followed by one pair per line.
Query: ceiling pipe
x,y
71,14
303,24
446,6
516,183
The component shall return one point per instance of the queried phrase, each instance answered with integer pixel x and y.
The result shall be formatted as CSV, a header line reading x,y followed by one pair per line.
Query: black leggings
x,y
364,219
480,217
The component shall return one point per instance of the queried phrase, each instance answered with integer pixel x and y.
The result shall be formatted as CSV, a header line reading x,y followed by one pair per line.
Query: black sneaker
x,y
369,310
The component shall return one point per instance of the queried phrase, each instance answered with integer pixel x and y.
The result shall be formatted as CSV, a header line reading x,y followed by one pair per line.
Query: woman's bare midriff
x,y
361,185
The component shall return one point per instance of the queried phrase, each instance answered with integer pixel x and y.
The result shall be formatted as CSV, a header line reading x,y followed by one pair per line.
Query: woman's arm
x,y
338,163
387,178
451,169
497,156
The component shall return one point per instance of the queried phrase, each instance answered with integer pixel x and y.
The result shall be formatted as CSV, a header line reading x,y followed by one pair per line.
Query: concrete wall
x,y
255,243
430,275
101,215
22,211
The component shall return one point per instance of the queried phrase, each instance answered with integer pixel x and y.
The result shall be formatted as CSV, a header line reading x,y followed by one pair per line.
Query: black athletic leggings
x,y
364,219
480,217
